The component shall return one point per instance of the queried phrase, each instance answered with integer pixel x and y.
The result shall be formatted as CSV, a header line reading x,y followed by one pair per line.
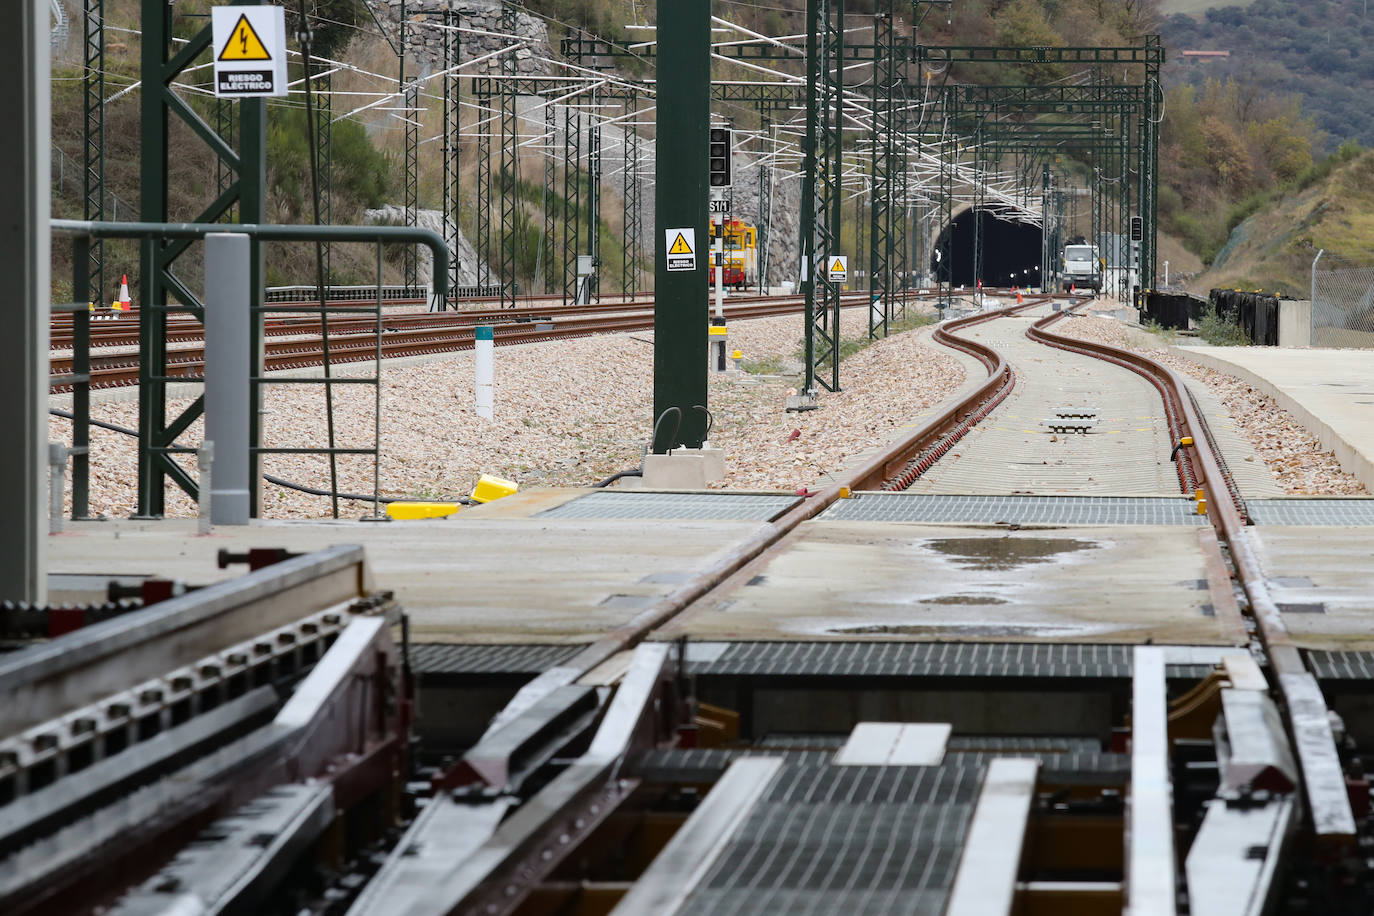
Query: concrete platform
x,y
492,575
1127,452
503,574
1322,578
876,580
1330,392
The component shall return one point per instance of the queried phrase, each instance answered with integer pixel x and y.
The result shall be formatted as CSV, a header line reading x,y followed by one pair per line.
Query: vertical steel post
x,y
252,209
572,186
482,228
551,278
680,193
816,336
81,367
324,155
880,164
93,82
510,139
594,197
634,228
228,365
833,148
452,137
24,257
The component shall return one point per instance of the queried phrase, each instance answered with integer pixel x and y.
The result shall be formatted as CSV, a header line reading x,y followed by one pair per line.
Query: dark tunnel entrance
x,y
1011,251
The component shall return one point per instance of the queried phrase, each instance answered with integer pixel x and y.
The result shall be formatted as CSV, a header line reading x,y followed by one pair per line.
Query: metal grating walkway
x,y
1016,510
1341,666
1343,511
713,506
913,659
442,658
1082,762
852,840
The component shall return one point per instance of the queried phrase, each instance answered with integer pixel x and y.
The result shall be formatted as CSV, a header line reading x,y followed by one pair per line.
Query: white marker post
x,y
716,351
486,371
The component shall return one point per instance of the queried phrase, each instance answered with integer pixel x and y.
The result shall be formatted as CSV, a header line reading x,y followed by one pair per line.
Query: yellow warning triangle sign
x,y
680,245
837,267
244,43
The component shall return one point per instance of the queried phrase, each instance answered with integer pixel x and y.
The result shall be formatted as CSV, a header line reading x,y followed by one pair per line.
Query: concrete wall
x,y
1295,322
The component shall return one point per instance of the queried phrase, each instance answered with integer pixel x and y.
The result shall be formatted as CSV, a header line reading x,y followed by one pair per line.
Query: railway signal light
x,y
721,148
1137,228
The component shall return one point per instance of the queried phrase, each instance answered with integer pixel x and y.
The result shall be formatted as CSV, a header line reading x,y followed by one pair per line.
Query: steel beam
x,y
1151,880
985,884
689,856
48,679
24,259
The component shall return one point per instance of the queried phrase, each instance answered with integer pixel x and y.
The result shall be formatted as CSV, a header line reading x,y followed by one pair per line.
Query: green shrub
x,y
1220,331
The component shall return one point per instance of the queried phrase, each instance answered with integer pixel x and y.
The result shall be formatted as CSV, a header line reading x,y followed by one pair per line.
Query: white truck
x,y
1082,268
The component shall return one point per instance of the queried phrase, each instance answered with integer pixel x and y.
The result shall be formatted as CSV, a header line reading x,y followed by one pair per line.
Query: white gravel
x,y
567,413
1293,455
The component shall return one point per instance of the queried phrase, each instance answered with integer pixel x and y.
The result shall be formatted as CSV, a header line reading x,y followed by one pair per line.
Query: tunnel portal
x,y
1011,251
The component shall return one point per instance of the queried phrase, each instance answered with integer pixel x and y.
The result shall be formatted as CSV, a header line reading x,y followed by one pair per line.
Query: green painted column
x,y
680,194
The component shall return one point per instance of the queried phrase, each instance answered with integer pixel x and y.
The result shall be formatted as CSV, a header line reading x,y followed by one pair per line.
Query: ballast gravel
x,y
1293,455
567,413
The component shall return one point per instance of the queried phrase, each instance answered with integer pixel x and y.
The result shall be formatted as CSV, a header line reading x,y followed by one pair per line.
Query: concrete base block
x,y
800,402
675,472
713,460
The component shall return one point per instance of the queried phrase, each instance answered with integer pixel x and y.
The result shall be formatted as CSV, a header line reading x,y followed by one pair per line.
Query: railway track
x,y
355,339
602,754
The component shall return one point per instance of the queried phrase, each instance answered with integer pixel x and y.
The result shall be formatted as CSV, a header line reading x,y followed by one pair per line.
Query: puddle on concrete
x,y
964,599
1002,554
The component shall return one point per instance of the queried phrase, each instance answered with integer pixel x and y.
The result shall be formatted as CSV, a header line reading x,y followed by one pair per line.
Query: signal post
x,y
680,231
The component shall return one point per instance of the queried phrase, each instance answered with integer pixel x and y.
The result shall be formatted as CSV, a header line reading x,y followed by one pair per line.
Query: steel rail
x,y
871,474
118,370
121,329
1306,712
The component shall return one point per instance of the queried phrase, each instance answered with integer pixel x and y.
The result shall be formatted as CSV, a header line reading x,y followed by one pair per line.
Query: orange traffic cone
x,y
123,305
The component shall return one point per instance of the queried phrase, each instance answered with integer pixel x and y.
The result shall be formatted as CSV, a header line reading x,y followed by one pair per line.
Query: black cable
x,y
677,412
313,491
100,423
710,421
606,482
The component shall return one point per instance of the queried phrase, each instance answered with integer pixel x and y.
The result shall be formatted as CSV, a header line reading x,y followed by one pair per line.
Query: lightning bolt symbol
x,y
243,41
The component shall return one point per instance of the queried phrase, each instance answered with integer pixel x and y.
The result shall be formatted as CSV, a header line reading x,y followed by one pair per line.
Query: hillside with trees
x,y
1319,52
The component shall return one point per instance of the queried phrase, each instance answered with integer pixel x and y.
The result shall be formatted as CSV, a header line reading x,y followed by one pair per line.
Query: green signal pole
x,y
680,193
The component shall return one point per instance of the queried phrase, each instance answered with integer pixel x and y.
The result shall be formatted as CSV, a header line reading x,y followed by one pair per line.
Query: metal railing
x,y
1342,303
82,232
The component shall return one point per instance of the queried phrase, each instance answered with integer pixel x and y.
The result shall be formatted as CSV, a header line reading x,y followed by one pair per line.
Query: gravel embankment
x,y
1293,455
567,414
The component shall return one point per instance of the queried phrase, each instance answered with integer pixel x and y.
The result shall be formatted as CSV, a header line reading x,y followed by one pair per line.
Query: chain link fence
x,y
1342,303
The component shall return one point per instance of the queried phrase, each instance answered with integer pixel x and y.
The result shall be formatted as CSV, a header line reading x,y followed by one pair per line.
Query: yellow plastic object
x,y
421,510
1186,441
1202,507
489,488
737,355
716,330
845,494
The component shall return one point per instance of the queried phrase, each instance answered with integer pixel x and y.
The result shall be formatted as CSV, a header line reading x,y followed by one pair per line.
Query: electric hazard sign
x,y
682,248
839,268
250,51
